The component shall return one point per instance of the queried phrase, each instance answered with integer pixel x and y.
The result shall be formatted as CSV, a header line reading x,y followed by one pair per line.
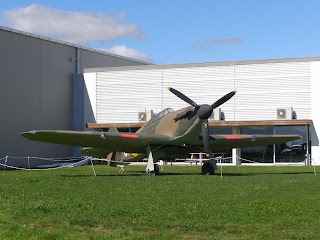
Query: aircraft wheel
x,y
156,169
207,169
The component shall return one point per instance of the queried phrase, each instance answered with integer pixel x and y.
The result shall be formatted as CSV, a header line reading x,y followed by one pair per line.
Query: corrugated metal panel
x,y
264,87
261,88
204,85
122,94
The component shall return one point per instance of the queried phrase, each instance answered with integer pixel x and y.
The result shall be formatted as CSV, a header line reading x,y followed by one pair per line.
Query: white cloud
x,y
128,52
75,27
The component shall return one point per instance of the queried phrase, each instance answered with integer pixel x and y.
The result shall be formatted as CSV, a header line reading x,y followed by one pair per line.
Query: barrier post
x,y
5,162
93,168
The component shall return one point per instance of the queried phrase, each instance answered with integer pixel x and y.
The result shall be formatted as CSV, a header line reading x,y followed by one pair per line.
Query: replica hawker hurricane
x,y
167,135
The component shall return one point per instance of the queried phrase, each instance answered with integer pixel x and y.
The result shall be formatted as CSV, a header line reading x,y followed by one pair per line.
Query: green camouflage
x,y
166,137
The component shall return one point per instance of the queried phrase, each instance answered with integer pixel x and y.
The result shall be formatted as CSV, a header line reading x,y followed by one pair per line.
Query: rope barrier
x,y
82,160
225,160
66,159
69,159
314,163
5,165
247,160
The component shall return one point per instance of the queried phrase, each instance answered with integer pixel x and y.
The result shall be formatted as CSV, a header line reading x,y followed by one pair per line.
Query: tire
x,y
207,169
156,169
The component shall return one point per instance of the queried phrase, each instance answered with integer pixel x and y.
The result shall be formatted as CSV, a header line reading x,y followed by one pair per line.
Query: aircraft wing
x,y
223,142
108,141
102,143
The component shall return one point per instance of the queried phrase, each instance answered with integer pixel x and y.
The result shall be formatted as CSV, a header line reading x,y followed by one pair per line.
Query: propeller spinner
x,y
204,111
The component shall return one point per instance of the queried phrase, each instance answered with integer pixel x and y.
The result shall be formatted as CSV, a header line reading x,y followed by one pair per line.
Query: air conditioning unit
x,y
145,115
284,113
216,114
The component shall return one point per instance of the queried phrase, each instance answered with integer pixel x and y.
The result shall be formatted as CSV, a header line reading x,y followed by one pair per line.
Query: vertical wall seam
x,y
78,60
96,108
40,73
161,88
234,88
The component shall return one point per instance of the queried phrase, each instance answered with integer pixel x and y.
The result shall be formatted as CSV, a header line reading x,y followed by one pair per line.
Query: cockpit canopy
x,y
162,113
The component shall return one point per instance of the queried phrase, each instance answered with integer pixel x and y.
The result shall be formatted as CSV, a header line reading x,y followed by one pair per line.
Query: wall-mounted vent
x,y
216,114
284,113
145,116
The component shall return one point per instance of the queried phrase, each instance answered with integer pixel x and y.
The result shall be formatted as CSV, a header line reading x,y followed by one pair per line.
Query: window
x,y
295,151
260,154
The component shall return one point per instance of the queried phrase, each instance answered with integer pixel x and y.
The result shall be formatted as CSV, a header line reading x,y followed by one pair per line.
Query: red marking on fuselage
x,y
233,138
129,136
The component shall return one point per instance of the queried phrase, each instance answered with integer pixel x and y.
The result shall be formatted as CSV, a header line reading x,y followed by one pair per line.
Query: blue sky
x,y
180,31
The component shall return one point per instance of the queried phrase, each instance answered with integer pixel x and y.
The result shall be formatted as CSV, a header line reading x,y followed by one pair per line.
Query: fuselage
x,y
165,124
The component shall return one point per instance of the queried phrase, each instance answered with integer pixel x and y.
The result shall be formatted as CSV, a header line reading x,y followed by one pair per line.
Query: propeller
x,y
203,111
183,97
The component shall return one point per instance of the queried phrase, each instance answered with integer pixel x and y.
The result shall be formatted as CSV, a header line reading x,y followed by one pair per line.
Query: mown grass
x,y
247,203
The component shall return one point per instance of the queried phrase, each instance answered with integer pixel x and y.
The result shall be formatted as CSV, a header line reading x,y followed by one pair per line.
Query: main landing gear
x,y
152,168
155,171
209,167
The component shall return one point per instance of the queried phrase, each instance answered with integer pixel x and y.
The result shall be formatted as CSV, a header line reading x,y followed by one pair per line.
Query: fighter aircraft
x,y
168,134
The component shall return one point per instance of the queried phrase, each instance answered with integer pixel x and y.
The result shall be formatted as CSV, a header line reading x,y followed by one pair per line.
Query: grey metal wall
x,y
89,59
36,90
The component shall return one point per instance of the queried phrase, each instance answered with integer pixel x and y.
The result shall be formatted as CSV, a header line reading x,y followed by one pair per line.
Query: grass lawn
x,y
247,203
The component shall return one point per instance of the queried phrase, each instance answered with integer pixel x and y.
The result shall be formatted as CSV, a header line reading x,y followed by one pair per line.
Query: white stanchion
x,y
5,162
315,162
93,168
29,162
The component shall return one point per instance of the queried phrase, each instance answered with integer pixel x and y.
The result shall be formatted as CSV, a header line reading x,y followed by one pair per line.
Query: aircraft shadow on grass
x,y
142,173
134,174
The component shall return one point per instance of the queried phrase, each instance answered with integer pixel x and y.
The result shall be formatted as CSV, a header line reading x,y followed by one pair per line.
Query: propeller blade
x,y
205,136
183,97
223,99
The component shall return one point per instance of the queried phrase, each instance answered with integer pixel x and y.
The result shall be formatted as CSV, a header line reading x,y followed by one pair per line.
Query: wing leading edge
x,y
223,142
137,142
108,141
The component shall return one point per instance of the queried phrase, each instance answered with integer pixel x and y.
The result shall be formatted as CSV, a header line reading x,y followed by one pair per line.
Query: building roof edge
x,y
69,44
203,64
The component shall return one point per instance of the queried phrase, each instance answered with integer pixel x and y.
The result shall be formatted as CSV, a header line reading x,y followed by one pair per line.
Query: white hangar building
x,y
279,96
